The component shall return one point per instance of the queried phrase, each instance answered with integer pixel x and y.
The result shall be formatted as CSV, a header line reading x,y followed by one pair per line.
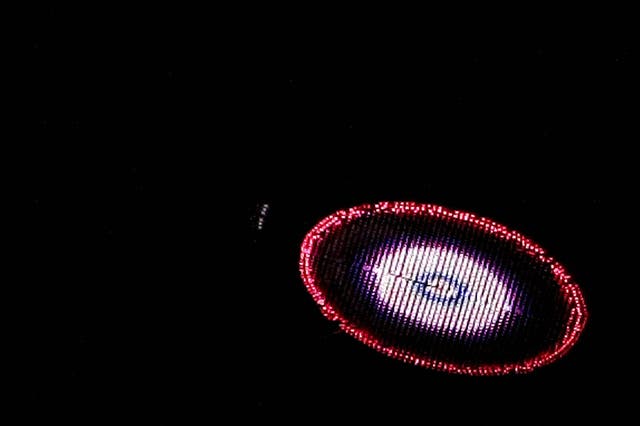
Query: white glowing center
x,y
441,290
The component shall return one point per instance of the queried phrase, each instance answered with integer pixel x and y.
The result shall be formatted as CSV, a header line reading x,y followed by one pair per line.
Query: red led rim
x,y
456,321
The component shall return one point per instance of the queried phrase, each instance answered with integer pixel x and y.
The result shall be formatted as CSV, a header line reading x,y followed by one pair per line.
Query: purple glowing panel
x,y
442,289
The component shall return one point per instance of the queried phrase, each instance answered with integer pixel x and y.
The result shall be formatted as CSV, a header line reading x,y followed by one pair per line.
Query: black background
x,y
143,143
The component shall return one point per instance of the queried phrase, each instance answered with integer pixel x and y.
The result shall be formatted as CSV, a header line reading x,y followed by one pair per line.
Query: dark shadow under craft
x,y
442,289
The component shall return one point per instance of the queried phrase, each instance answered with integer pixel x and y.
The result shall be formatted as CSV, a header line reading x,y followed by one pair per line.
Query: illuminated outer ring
x,y
569,289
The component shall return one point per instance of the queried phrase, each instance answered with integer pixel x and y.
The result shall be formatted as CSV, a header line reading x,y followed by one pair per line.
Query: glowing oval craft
x,y
442,289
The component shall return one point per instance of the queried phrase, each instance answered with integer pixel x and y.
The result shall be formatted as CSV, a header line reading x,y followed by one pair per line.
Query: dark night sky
x,y
141,144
